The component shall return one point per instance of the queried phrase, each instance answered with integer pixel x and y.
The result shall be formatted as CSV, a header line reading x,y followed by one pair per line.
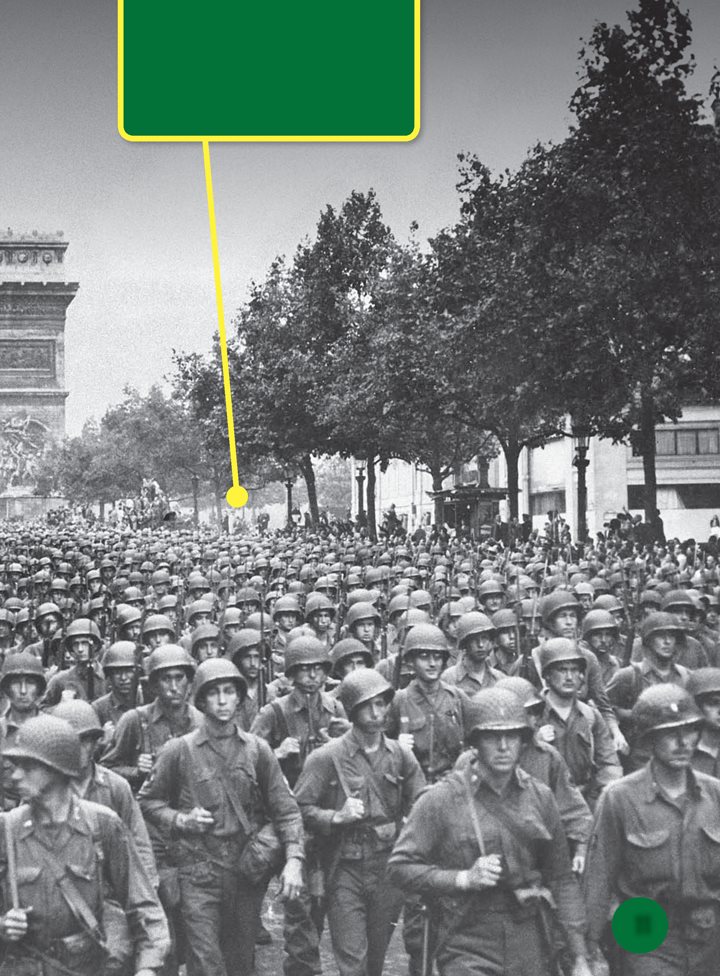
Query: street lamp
x,y
580,461
288,488
361,485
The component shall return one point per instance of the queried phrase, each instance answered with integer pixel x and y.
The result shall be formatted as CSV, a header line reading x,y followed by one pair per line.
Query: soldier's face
x,y
499,752
364,630
712,618
710,707
156,638
564,623
370,716
249,664
88,744
205,649
172,686
478,646
601,641
81,649
505,639
221,701
351,663
565,679
132,632
229,630
674,747
34,780
322,620
309,678
492,603
586,600
663,643
428,665
5,629
286,621
23,692
120,680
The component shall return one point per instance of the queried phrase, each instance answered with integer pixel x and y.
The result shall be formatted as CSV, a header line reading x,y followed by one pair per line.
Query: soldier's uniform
x,y
496,931
362,904
236,778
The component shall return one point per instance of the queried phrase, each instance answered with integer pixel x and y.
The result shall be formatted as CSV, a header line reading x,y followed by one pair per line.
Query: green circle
x,y
639,925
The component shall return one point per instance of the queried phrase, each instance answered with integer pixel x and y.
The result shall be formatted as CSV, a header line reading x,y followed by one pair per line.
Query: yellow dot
x,y
236,496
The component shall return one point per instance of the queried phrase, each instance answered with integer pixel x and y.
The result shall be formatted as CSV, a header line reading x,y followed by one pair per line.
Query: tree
x,y
629,233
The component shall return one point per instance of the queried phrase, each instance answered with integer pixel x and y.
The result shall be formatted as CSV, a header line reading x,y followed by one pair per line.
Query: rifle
x,y
427,949
397,670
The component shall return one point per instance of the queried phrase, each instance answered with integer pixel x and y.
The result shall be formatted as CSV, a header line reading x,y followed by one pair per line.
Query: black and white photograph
x,y
442,697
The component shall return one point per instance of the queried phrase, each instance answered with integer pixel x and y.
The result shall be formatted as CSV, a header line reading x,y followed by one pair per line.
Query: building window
x,y
678,496
542,502
683,441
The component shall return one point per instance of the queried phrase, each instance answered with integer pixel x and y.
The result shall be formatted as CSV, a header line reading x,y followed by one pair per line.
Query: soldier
x,y
214,789
600,633
85,678
320,613
48,624
53,833
121,676
704,686
205,642
476,639
294,726
245,651
656,836
662,636
509,635
354,793
347,656
680,603
22,682
362,621
102,785
487,846
575,728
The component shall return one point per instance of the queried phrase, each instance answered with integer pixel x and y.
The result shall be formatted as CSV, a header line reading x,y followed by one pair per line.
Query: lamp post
x,y
361,487
580,461
288,489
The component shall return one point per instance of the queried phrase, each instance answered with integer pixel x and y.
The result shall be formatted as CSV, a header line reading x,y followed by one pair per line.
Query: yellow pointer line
x,y
221,314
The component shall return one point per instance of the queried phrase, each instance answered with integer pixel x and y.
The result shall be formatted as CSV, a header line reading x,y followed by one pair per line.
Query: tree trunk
x,y
646,443
219,499
308,473
511,450
370,497
438,503
102,511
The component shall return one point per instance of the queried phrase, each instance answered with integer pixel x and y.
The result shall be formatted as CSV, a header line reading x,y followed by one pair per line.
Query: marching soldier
x,y
656,836
476,640
354,793
212,790
22,682
486,845
85,678
121,676
63,855
704,686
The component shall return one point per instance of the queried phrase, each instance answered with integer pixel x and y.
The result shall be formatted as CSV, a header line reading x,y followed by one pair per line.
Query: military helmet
x,y
197,607
599,620
214,670
555,602
490,587
678,598
473,623
48,610
157,623
170,656
48,740
703,681
121,654
82,627
348,647
361,611
22,665
559,649
425,637
497,710
361,686
232,616
506,619
287,604
664,706
317,602
524,689
606,601
650,598
81,715
126,615
660,621
305,650
204,632
245,640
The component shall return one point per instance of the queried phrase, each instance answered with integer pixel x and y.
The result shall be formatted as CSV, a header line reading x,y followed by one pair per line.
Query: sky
x,y
496,77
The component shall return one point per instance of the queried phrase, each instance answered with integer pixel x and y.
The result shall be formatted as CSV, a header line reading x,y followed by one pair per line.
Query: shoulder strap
x,y
474,819
224,781
281,718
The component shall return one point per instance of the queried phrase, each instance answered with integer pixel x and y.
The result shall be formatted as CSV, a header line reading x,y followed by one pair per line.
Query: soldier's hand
x,y
353,809
291,880
546,733
578,862
145,762
407,739
581,967
485,872
108,731
620,742
198,821
14,924
288,747
68,694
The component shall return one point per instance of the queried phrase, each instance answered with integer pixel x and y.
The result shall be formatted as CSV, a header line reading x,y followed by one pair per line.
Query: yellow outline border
x,y
399,138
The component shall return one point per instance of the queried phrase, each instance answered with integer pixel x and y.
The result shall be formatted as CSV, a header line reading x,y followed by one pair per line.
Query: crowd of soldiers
x,y
498,745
